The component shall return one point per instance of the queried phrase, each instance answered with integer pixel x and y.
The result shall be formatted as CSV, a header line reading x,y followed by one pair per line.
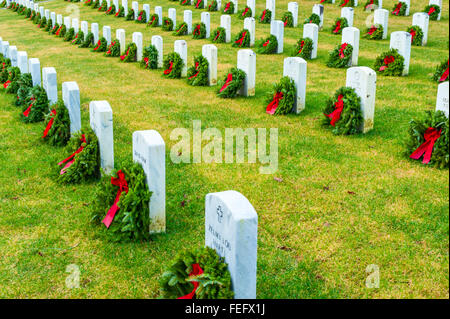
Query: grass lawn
x,y
343,202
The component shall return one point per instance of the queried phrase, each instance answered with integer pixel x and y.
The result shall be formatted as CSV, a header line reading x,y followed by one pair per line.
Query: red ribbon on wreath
x,y
387,60
98,45
69,161
196,69
122,57
338,108
413,34
75,39
184,2
109,10
338,27
117,13
302,44
6,84
196,271
227,82
372,30
431,135
431,11
272,107
123,187
59,30
241,40
342,49
49,124
245,11
110,47
369,4
140,15
445,74
217,35
266,43
153,19
397,9
345,3
198,3
28,110
169,70
100,8
263,15
146,60
227,7
322,1
197,29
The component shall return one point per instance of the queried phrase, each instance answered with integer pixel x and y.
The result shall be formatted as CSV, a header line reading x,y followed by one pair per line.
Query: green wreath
x,y
245,13
313,18
27,13
59,132
351,118
153,22
439,75
6,64
13,77
219,35
304,48
25,84
101,45
228,8
416,35
111,10
120,13
182,30
288,19
79,38
417,128
232,83
173,65
70,34
33,15
103,7
142,17
185,2
399,9
375,32
347,3
214,282
37,18
61,33
88,42
339,25
3,4
88,2
130,53
42,22
48,26
54,29
212,6
149,57
265,17
371,5
285,88
199,31
434,9
113,49
36,105
267,46
338,59
167,24
95,4
130,15
242,40
390,63
132,221
199,4
197,75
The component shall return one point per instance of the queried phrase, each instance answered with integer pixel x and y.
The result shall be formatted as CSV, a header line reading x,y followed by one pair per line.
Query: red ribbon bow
x,y
227,82
372,30
342,49
263,15
272,107
241,40
266,43
59,30
197,29
338,108
6,84
217,35
98,45
397,8
140,16
196,68
198,3
28,110
71,158
345,3
146,60
50,124
109,10
110,47
426,148
413,34
169,70
338,27
301,46
74,39
122,57
153,20
227,7
445,74
387,60
432,9
123,187
245,12
117,13
196,271
369,4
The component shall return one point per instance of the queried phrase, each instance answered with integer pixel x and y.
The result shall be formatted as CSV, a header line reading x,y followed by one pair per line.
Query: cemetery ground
x,y
336,205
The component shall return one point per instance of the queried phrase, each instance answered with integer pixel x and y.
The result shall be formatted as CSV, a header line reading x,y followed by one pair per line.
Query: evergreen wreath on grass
x,y
219,35
304,48
113,49
326,1
95,4
54,29
375,32
399,8
150,57
197,75
32,15
153,21
185,2
79,38
341,56
101,45
313,18
228,8
167,24
25,83
103,6
199,4
111,10
265,17
371,5
339,24
83,161
27,13
182,29
120,13
48,26
442,72
3,4
433,11
343,112
390,63
130,15
88,2
428,138
245,13
288,19
416,35
37,18
242,40
347,3
42,23
142,17
4,72
61,31
130,53
199,31
212,6
12,84
199,274
267,46
282,98
57,126
173,65
70,34
36,106
121,204
230,86
88,42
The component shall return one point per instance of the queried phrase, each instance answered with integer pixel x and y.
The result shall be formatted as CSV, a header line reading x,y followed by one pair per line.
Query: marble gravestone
x,y
251,5
296,68
53,18
158,11
157,41
146,8
235,5
364,80
401,40
438,3
42,11
135,7
293,8
101,122
381,16
94,30
84,28
71,99
149,150
13,55
350,35
209,51
59,19
311,30
318,9
120,35
50,84
246,61
180,47
5,49
231,229
442,98
205,19
422,20
408,6
116,4
22,61
67,22
270,5
47,14
172,12
249,24
347,13
107,34
125,7
34,66
277,30
137,39
75,25
225,22
187,18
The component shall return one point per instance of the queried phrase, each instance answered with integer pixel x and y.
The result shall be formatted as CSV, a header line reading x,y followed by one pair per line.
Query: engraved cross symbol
x,y
219,214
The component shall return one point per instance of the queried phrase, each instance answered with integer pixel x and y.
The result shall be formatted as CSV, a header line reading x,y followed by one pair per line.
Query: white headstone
x,y
120,35
251,5
401,40
249,24
442,98
235,2
270,4
318,9
364,81
350,35
157,41
125,7
94,30
225,22
149,150
59,19
187,18
34,66
22,61
41,11
146,8
107,34
84,28
13,55
295,68
381,16
158,11
116,4
47,14
422,20
101,121
75,25
293,8
347,12
135,7
173,15
49,84
53,18
205,18
209,51
231,229
311,30
408,6
137,39
246,61
71,98
180,47
67,22
438,3
5,49
277,30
